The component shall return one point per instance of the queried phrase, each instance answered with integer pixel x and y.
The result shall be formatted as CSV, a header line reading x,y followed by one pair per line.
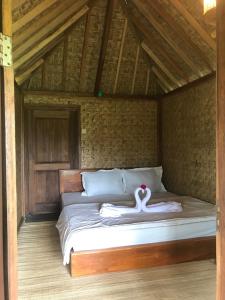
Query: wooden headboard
x,y
71,180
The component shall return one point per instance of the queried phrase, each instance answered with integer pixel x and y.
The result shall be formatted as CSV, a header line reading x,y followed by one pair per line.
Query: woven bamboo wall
x,y
119,132
72,65
189,141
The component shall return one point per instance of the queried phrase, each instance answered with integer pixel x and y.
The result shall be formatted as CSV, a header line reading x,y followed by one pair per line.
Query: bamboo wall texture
x,y
72,65
119,132
189,141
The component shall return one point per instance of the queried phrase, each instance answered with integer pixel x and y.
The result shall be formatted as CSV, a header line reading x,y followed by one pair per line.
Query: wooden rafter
x,y
43,21
194,23
36,11
141,5
135,69
50,39
45,30
105,38
23,76
160,64
179,31
192,84
147,82
163,82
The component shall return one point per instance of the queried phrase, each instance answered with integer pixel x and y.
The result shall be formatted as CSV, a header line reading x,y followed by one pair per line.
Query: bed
x,y
92,244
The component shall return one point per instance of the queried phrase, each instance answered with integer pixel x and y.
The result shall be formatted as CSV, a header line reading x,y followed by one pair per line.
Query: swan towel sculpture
x,y
110,210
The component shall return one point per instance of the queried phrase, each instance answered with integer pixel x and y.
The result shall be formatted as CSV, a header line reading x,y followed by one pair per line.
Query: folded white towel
x,y
112,211
109,210
163,207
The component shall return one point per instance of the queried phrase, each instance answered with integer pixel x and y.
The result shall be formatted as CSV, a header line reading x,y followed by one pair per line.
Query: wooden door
x,y
53,141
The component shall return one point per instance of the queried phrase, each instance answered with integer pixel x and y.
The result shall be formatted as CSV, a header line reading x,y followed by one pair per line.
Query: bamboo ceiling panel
x,y
92,46
53,69
73,56
191,32
113,50
119,67
79,57
72,65
35,81
127,66
157,41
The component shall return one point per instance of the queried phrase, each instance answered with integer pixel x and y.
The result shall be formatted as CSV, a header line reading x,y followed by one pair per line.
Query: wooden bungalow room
x,y
99,96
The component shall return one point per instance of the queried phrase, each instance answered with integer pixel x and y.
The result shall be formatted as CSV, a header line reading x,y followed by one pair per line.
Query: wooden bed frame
x,y
132,257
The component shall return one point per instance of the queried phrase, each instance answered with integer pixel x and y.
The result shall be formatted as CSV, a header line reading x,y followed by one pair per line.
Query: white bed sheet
x,y
82,228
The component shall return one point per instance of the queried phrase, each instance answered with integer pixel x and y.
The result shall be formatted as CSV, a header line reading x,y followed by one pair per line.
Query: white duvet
x,y
82,228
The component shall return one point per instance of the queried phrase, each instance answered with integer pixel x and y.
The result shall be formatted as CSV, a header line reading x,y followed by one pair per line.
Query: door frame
x,y
220,140
28,108
8,191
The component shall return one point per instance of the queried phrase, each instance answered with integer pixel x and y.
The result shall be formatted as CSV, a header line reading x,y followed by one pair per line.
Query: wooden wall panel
x,y
189,141
19,154
114,132
45,180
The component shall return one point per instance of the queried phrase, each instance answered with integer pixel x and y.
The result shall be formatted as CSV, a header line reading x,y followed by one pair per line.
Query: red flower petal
x,y
143,186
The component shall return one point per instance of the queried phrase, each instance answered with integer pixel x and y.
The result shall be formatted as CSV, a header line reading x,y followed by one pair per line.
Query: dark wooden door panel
x,y
51,147
52,140
47,189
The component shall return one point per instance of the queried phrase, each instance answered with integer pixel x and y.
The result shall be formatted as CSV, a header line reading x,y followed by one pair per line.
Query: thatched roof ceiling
x,y
129,47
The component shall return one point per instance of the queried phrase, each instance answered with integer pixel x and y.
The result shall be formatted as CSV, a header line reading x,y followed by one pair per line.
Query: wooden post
x,y
8,162
221,149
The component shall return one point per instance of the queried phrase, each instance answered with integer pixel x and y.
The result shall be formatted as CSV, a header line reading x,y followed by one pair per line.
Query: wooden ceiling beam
x,y
43,21
46,30
140,4
23,76
160,64
39,55
36,11
50,39
105,39
135,69
147,82
194,23
159,9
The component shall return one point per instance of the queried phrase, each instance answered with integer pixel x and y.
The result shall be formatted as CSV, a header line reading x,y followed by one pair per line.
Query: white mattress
x,y
82,228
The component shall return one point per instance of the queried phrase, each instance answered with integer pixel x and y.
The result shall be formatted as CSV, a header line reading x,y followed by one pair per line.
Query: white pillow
x,y
159,172
133,179
102,182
